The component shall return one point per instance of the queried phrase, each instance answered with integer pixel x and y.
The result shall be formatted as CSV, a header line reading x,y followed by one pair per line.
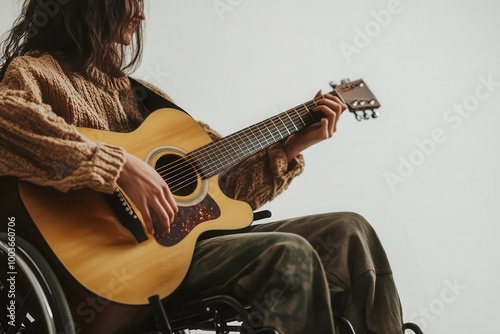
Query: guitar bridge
x,y
126,214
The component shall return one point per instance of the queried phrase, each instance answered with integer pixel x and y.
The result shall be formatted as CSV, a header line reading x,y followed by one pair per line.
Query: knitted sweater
x,y
42,102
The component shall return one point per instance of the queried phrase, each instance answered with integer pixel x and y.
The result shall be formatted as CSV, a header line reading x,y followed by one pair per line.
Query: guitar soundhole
x,y
178,173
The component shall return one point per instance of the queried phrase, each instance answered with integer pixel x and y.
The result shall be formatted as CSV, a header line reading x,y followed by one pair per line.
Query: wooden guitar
x,y
102,241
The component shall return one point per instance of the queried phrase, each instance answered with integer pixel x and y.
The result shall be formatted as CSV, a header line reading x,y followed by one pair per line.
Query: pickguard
x,y
186,219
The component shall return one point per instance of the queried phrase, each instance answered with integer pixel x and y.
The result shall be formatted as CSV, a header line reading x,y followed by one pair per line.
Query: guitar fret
x,y
266,140
216,153
312,107
292,115
217,156
209,158
301,119
250,141
284,125
293,123
248,144
230,156
241,150
257,137
270,132
203,155
309,112
263,135
277,128
228,151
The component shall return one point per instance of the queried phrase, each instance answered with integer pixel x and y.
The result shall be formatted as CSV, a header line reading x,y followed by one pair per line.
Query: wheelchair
x,y
42,306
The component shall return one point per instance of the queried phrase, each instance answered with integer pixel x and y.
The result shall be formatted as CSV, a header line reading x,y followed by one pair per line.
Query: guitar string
x,y
182,182
256,128
263,122
175,167
211,148
228,159
213,151
178,184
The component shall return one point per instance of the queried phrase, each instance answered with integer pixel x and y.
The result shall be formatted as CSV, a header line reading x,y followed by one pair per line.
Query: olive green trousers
x,y
297,273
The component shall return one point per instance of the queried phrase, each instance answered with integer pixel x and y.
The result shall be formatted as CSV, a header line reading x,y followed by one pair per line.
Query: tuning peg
x,y
344,81
365,115
375,114
333,84
358,117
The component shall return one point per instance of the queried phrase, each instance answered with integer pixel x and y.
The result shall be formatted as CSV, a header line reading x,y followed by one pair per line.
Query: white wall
x,y
438,217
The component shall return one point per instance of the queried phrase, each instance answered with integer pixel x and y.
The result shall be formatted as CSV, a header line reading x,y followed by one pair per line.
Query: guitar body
x,y
95,247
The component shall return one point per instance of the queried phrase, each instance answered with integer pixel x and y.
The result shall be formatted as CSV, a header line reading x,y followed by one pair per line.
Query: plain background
x,y
425,176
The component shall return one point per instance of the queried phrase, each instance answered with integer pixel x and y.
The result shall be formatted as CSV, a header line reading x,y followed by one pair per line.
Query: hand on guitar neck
x,y
148,191
331,108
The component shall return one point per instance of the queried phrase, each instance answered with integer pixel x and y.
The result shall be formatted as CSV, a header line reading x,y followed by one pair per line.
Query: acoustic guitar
x,y
101,240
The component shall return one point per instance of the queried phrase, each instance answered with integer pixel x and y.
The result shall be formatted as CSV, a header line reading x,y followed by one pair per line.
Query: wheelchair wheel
x,y
27,282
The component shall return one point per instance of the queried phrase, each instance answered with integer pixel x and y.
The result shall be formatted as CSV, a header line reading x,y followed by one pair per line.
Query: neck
x,y
220,155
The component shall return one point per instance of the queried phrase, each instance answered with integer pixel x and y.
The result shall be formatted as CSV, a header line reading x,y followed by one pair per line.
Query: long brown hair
x,y
82,33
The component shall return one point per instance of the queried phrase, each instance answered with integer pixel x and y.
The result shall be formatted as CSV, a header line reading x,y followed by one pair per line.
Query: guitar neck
x,y
222,154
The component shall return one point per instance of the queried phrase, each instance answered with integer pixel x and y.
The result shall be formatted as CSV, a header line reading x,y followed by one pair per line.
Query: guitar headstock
x,y
358,98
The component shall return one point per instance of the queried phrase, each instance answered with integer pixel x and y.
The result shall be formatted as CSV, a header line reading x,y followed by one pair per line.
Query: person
x,y
297,272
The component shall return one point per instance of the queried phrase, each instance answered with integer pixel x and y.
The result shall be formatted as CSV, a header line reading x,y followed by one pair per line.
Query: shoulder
x,y
33,76
35,62
33,67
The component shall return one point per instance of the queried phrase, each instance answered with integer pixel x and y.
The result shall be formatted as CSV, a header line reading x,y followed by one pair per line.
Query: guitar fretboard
x,y
219,155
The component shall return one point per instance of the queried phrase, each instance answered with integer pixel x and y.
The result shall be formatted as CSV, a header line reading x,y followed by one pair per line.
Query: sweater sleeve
x,y
38,146
260,178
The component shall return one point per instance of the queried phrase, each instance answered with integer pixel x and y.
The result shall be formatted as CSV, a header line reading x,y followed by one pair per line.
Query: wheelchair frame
x,y
45,295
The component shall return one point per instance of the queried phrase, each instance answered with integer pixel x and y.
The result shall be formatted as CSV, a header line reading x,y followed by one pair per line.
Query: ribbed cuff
x,y
283,171
280,165
108,162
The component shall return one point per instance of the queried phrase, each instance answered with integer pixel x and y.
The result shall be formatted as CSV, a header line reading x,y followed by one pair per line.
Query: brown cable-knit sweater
x,y
41,104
